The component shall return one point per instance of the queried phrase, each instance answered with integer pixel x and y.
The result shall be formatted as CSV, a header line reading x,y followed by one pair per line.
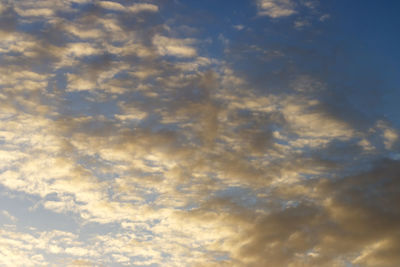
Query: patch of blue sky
x,y
29,212
371,54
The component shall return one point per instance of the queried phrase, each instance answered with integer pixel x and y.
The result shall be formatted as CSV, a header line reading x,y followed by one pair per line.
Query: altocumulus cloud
x,y
131,135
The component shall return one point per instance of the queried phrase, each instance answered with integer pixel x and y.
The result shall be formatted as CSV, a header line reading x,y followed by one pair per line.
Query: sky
x,y
260,133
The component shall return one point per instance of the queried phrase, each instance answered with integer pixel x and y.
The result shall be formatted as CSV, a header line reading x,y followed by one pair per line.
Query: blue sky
x,y
199,133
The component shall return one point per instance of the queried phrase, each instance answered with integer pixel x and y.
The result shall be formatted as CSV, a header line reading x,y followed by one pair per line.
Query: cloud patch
x,y
276,8
174,47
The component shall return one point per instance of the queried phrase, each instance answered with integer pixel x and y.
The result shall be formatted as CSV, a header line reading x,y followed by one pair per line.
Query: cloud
x,y
239,27
143,7
324,17
135,8
127,140
306,120
174,47
9,216
35,12
276,8
28,249
389,134
112,5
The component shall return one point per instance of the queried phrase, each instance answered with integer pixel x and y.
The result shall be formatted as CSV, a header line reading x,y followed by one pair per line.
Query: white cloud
x,y
81,49
35,12
143,7
299,24
308,123
174,47
389,134
239,27
135,8
9,216
111,5
366,145
325,17
276,8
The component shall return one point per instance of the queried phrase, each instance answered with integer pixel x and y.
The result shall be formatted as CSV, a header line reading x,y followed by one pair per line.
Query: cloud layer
x,y
126,140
